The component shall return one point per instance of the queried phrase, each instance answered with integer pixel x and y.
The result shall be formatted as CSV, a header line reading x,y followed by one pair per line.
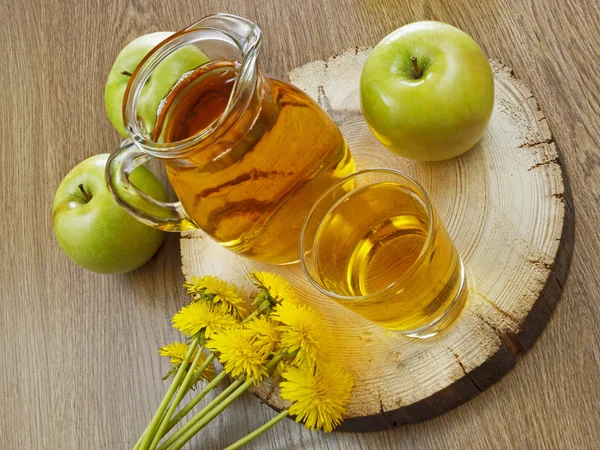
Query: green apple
x,y
93,230
164,76
427,91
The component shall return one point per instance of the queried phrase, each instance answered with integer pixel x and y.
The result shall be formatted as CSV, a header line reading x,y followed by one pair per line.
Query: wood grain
x,y
503,204
80,368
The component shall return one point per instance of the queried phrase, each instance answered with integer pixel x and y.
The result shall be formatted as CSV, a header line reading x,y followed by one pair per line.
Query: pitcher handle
x,y
162,215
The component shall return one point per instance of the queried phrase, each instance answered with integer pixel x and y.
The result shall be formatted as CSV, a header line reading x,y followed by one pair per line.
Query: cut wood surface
x,y
503,203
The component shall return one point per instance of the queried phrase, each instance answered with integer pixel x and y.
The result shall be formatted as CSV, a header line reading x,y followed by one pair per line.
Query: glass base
x,y
449,316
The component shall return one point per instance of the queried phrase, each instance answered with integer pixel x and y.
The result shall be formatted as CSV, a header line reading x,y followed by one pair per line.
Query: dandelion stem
x,y
153,425
199,372
175,436
199,421
197,425
260,430
275,361
252,316
264,305
187,408
164,421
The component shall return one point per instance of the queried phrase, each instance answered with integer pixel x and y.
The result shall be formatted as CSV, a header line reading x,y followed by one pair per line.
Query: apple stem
x,y
126,73
416,67
85,194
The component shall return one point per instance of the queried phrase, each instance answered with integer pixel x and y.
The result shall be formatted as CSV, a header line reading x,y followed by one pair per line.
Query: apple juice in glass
x,y
246,154
375,244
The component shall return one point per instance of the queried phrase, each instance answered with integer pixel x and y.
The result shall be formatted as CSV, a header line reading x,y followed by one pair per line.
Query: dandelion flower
x,y
202,316
301,332
176,353
263,333
319,397
217,290
280,369
277,286
238,354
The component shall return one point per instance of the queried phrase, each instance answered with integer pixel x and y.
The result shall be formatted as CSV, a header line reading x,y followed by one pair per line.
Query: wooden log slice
x,y
507,206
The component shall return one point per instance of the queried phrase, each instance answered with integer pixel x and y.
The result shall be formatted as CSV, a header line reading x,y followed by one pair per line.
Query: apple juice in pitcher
x,y
246,154
251,187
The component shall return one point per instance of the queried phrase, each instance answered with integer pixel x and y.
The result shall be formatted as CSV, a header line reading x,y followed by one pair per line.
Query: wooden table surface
x,y
79,366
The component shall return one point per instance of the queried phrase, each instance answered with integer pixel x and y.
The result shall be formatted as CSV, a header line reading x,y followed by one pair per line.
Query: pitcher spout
x,y
245,32
197,49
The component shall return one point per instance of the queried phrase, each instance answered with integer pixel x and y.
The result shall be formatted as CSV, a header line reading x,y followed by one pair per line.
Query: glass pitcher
x,y
246,154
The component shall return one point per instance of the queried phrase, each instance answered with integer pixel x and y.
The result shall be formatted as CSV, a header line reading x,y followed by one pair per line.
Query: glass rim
x,y
405,275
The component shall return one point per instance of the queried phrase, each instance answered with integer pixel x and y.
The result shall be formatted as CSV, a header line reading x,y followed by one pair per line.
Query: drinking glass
x,y
375,244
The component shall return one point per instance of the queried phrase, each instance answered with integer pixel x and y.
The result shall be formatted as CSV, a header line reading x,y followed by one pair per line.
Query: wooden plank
x,y
80,368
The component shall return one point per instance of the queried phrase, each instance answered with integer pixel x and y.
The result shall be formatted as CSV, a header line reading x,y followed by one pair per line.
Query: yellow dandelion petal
x,y
276,285
302,333
263,333
220,290
176,353
238,354
319,397
280,369
225,293
199,316
194,286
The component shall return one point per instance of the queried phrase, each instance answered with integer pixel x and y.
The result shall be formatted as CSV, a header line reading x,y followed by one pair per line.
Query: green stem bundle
x,y
198,424
150,432
185,410
188,425
210,411
164,421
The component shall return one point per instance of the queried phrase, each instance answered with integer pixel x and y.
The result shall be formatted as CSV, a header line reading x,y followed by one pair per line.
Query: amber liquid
x,y
375,237
252,181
